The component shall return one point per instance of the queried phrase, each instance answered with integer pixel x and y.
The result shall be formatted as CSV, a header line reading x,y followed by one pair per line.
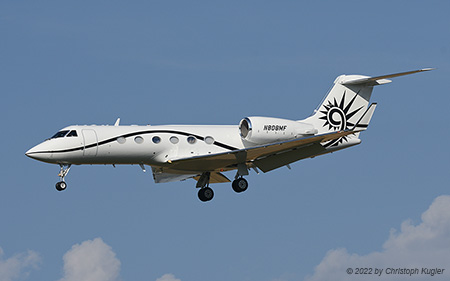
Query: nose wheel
x,y
62,185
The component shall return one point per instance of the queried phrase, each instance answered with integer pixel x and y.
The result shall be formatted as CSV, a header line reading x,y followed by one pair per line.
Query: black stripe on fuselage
x,y
136,134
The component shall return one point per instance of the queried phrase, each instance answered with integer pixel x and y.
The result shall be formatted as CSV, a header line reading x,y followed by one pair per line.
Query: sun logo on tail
x,y
336,116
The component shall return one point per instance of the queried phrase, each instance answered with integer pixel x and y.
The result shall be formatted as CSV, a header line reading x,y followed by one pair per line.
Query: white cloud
x,y
167,277
18,266
92,260
426,245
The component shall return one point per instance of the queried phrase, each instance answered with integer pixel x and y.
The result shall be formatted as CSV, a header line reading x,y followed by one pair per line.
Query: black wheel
x,y
60,186
240,185
205,194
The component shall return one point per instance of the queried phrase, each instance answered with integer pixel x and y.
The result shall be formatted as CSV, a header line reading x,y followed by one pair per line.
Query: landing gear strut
x,y
62,185
205,193
240,184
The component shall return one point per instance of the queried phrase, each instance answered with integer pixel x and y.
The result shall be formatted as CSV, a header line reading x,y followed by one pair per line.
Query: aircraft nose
x,y
38,153
30,152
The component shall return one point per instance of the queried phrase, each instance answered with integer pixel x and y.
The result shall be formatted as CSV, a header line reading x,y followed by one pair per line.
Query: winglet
x,y
117,122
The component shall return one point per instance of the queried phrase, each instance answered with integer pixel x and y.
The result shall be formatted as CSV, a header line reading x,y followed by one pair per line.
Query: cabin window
x,y
156,139
139,140
209,140
60,134
191,139
174,140
121,140
72,133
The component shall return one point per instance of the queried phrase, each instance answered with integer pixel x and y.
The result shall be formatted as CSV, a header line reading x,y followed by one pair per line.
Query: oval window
x,y
139,140
174,140
209,140
156,139
191,139
121,140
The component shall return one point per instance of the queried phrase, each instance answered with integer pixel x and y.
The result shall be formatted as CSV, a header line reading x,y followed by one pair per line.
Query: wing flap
x,y
215,178
278,160
160,177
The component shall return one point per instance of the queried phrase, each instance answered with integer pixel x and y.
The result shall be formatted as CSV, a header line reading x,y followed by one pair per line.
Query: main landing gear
x,y
239,185
206,194
62,185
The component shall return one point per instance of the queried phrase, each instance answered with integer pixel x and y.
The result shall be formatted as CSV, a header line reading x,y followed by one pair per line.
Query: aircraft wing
x,y
266,157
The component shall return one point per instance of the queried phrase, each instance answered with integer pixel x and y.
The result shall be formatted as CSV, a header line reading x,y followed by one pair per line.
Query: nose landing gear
x,y
62,185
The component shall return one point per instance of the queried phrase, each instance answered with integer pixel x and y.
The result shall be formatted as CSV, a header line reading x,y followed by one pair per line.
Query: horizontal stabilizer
x,y
383,79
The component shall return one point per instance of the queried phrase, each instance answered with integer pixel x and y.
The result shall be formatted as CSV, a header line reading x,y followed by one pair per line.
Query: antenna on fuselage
x,y
117,122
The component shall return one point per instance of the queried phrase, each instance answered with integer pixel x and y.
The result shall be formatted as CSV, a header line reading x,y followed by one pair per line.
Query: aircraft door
x,y
90,143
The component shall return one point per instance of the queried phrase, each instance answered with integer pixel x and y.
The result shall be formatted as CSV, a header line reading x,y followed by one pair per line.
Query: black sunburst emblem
x,y
336,116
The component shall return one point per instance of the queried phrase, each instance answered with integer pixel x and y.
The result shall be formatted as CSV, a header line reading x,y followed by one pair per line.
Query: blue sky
x,y
174,62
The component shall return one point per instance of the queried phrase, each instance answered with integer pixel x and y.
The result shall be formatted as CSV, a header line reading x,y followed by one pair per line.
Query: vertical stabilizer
x,y
343,106
346,106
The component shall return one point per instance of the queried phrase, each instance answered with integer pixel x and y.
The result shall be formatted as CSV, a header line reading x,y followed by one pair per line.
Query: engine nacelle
x,y
262,130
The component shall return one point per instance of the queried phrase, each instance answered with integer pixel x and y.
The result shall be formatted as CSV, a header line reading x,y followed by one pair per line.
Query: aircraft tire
x,y
240,185
60,186
205,194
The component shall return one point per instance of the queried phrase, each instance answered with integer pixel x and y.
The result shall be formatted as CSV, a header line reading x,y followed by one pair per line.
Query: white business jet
x,y
204,152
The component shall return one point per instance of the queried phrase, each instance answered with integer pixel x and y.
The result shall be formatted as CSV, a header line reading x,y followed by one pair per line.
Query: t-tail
x,y
347,107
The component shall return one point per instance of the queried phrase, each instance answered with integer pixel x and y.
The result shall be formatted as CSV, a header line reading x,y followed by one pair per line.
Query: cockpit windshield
x,y
60,134
72,133
65,133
